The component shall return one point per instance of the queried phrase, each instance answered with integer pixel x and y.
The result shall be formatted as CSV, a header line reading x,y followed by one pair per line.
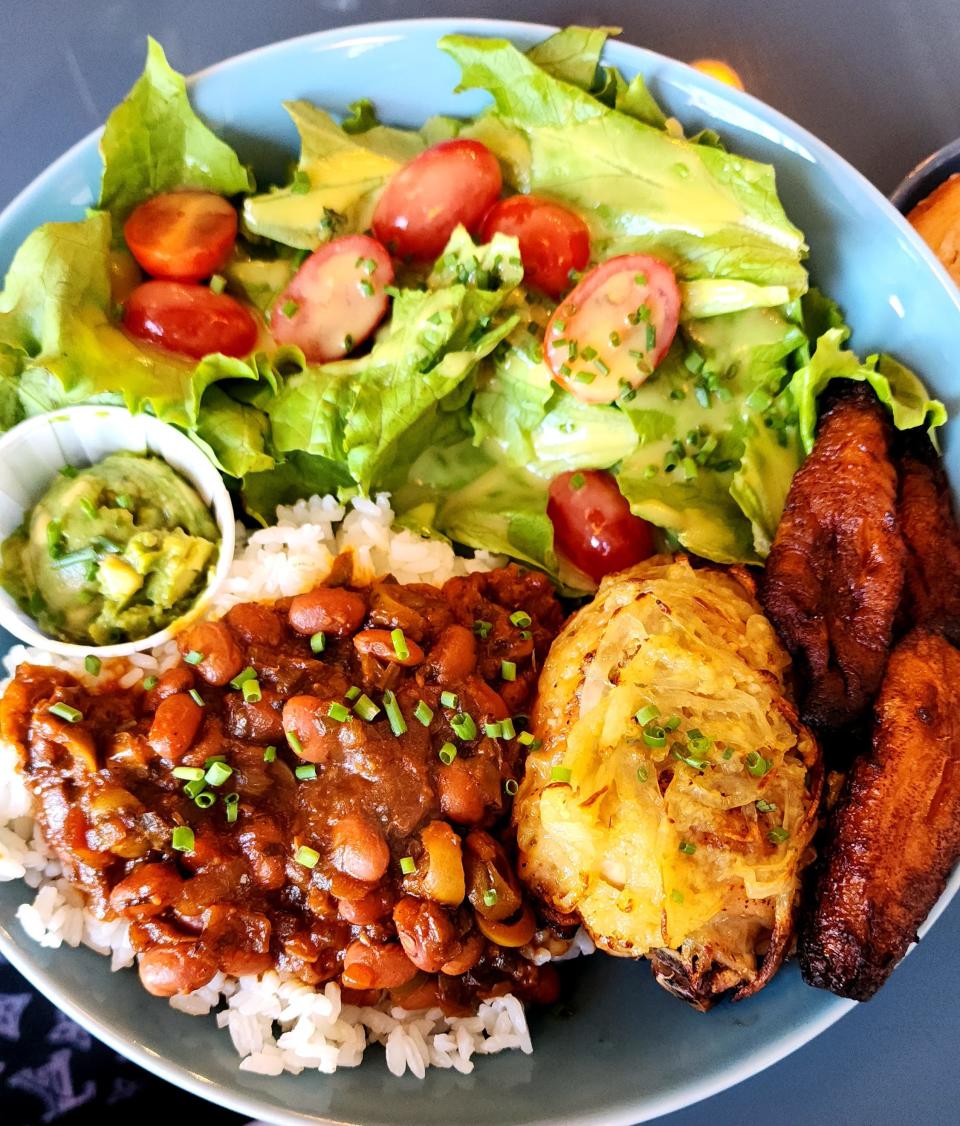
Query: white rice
x,y
275,1025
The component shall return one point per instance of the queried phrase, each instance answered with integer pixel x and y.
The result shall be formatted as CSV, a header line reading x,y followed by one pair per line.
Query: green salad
x,y
454,393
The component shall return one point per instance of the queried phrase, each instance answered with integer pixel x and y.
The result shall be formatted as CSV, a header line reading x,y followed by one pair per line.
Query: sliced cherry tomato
x,y
191,319
182,236
612,330
593,526
336,298
450,183
553,240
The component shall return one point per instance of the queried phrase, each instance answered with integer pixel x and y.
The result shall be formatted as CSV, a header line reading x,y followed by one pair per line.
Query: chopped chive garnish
x,y
218,773
318,642
651,337
249,673
423,712
615,339
680,752
520,617
338,712
308,857
654,736
689,467
640,279
231,798
778,836
756,764
218,283
766,806
511,786
204,799
687,848
398,724
290,308
348,343
672,723
507,730
526,738
642,774
87,507
407,865
194,787
490,897
560,774
464,727
481,628
251,691
231,810
124,501
92,664
270,754
149,682
188,773
728,753
352,693
584,377
301,182
449,699
365,708
54,546
64,711
492,730
650,711
306,772
589,353
182,838
525,635
194,657
400,646
196,697
447,753
366,288
508,670
294,740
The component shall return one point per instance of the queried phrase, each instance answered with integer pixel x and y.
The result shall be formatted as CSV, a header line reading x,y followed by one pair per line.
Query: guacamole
x,y
111,553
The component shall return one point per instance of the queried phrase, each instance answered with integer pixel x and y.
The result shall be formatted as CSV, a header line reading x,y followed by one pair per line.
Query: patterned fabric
x,y
51,1070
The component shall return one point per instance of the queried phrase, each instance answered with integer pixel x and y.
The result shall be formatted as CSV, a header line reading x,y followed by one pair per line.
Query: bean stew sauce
x,y
320,786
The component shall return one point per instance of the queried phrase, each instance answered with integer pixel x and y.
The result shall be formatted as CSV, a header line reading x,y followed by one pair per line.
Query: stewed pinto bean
x,y
380,643
316,734
380,965
471,948
468,787
238,940
148,890
427,934
179,679
168,970
330,610
453,656
175,725
359,849
255,624
368,908
213,650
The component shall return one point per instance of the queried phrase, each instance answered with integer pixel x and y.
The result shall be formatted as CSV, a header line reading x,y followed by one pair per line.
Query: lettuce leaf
x,y
363,411
298,475
55,314
154,142
233,435
708,213
337,182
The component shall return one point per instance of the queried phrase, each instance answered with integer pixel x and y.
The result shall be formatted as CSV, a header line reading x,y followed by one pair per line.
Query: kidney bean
x,y
179,679
468,786
175,725
256,624
238,940
306,717
369,908
146,891
327,610
426,933
167,970
453,656
222,656
471,948
379,643
376,966
359,849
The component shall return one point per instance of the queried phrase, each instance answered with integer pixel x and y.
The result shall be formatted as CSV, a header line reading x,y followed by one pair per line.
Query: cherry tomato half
x,y
613,328
450,183
182,236
593,526
553,240
190,319
336,298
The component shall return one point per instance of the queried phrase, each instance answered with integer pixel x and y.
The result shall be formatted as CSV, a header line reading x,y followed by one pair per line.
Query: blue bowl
x,y
624,1055
928,174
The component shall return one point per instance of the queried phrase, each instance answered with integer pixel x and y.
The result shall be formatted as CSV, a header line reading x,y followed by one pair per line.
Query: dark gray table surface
x,y
877,79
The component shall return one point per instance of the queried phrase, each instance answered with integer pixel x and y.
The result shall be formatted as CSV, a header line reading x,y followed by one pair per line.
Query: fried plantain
x,y
833,580
895,833
931,591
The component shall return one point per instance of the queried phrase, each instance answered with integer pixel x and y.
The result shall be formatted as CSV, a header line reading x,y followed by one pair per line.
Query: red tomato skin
x,y
596,312
450,183
553,240
333,313
593,526
182,236
189,319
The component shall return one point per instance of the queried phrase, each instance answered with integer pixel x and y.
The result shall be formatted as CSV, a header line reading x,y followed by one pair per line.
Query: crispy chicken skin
x,y
895,833
833,580
931,591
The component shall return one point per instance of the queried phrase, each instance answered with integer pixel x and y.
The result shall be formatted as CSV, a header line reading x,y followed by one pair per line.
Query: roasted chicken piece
x,y
832,582
931,591
894,835
672,802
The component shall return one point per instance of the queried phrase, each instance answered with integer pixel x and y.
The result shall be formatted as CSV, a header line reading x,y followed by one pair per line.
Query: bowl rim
x,y
722,1077
220,505
925,177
